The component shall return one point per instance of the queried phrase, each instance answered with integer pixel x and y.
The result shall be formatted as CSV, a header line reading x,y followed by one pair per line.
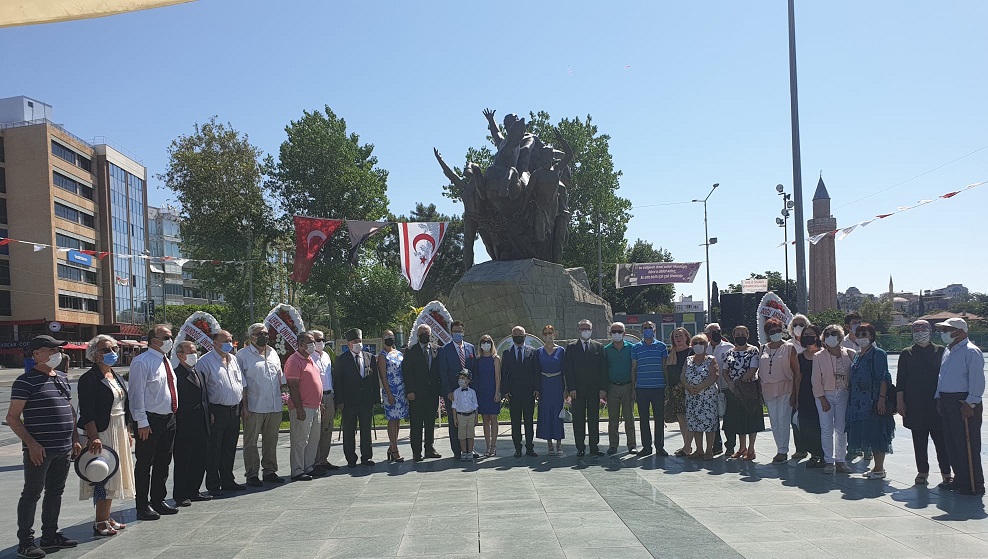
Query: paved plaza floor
x,y
545,507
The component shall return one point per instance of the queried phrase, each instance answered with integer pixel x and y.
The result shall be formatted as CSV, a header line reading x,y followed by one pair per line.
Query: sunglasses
x,y
109,349
617,331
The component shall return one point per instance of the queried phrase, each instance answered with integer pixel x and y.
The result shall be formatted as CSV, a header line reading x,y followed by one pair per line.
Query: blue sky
x,y
692,93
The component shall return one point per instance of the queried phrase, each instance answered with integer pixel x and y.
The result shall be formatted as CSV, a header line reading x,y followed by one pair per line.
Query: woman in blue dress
x,y
551,393
870,425
487,385
393,388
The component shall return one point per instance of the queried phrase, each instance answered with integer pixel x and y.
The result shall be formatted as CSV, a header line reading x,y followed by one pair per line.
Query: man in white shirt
x,y
851,322
325,365
720,348
225,389
261,406
153,398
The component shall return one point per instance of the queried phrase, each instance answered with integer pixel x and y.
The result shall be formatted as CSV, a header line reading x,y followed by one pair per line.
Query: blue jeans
x,y
50,477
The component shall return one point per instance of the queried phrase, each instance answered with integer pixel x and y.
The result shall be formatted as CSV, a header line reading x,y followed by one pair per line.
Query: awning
x,y
73,346
26,12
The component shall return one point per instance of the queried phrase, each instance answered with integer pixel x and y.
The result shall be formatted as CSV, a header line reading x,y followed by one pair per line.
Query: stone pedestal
x,y
495,296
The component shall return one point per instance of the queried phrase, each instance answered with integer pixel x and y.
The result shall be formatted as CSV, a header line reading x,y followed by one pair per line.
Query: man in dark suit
x,y
520,380
586,375
357,389
420,371
191,428
453,358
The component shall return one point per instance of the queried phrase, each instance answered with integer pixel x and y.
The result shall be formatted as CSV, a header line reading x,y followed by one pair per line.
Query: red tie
x,y
463,359
171,385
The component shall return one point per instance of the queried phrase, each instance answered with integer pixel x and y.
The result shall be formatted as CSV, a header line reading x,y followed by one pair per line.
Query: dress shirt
x,y
148,386
262,379
465,400
224,382
618,363
963,370
325,365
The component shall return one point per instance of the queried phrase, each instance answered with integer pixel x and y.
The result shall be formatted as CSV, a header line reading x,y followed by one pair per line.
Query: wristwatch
x,y
972,404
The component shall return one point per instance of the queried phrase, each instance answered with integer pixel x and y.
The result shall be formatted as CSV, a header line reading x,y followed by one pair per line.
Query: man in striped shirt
x,y
648,378
41,414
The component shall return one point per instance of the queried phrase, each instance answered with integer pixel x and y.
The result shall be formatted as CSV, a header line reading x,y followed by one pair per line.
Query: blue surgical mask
x,y
649,333
457,337
227,347
110,359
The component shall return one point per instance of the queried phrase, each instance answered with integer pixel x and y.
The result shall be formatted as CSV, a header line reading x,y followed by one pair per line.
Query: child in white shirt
x,y
465,408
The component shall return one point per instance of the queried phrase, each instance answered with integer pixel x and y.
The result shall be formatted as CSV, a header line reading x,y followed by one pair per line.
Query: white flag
x,y
39,248
418,245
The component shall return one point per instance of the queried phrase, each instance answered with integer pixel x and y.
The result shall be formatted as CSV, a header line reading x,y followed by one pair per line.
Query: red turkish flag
x,y
311,233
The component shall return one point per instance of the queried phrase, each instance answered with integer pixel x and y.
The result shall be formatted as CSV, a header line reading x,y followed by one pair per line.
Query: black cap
x,y
354,334
44,341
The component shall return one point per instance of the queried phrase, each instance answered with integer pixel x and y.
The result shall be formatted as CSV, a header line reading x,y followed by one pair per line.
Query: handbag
x,y
566,415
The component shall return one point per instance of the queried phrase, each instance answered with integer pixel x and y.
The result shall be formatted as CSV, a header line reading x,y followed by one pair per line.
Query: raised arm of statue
x,y
456,180
567,149
492,126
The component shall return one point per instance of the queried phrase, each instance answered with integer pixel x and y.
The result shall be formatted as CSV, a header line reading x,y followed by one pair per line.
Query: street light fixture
x,y
708,241
783,222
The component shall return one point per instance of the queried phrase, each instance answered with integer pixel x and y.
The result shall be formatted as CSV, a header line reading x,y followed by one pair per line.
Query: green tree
x,y
324,171
974,303
375,300
644,299
218,179
827,317
878,313
596,208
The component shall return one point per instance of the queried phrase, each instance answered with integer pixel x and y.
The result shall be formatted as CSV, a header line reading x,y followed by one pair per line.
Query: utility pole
x,y
797,178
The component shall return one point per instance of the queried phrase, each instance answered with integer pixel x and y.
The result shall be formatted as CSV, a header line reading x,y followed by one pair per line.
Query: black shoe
x,y
517,453
318,473
146,513
30,551
201,498
56,542
254,482
163,508
183,503
431,453
234,487
417,458
661,452
215,493
367,462
273,478
302,477
351,464
643,452
531,452
718,450
580,453
611,451
632,449
476,455
595,452
330,468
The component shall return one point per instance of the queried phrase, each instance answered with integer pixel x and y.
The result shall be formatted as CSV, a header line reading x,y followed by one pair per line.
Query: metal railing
x,y
35,122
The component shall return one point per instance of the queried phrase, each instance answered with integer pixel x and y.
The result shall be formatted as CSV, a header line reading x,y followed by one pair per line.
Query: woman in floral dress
x,y
700,380
393,387
744,401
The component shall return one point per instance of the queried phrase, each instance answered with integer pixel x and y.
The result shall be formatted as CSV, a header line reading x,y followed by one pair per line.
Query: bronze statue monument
x,y
518,205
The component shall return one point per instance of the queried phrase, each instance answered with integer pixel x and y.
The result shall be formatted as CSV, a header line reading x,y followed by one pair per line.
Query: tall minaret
x,y
823,255
891,292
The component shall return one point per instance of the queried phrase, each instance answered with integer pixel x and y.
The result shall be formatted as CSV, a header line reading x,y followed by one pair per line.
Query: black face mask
x,y
741,340
716,337
262,341
518,339
424,338
807,341
390,342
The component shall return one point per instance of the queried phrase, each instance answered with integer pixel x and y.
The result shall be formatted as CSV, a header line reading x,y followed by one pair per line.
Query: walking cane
x,y
970,460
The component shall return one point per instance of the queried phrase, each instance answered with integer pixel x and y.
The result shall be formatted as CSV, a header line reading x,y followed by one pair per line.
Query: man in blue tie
x,y
453,358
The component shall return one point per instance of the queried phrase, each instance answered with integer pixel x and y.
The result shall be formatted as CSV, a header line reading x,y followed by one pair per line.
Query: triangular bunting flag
x,y
418,245
311,233
39,248
360,231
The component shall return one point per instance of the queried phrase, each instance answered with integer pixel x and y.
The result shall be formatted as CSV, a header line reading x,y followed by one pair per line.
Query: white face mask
x,y
699,349
863,342
921,337
166,346
191,360
831,341
585,334
463,382
356,347
485,346
797,331
617,337
777,337
946,337
55,360
320,346
310,348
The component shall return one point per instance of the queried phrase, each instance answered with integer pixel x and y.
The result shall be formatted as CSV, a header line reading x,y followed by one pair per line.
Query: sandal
x,y
103,530
880,474
740,453
696,455
116,525
682,453
921,478
750,455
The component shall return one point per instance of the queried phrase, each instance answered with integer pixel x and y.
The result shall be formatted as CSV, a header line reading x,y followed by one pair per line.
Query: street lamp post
x,y
783,222
707,242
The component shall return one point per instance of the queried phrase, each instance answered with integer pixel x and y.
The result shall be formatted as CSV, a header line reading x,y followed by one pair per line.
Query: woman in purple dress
x,y
551,393
487,384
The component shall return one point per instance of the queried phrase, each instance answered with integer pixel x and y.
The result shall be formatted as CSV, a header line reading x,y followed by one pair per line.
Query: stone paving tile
x,y
454,541
945,546
774,550
872,547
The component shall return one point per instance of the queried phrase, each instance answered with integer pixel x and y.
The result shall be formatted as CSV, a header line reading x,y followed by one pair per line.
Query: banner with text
x,y
655,273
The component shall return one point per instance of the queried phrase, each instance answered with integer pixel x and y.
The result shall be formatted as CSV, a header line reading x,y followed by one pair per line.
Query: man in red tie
x,y
453,358
153,402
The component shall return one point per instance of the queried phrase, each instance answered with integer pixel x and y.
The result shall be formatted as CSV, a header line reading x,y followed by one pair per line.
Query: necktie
x,y
428,356
171,385
518,354
463,359
356,360
586,347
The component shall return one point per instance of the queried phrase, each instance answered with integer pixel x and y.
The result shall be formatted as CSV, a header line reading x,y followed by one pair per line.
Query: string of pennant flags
x,y
101,255
842,233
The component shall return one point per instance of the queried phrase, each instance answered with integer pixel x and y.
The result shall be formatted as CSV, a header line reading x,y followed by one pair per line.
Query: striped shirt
x,y
47,408
649,359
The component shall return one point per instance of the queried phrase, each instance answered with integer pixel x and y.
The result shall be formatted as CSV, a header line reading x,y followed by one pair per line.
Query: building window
x,y
5,249
3,211
76,274
64,241
74,215
174,289
3,179
66,154
70,185
77,303
4,272
2,159
5,309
